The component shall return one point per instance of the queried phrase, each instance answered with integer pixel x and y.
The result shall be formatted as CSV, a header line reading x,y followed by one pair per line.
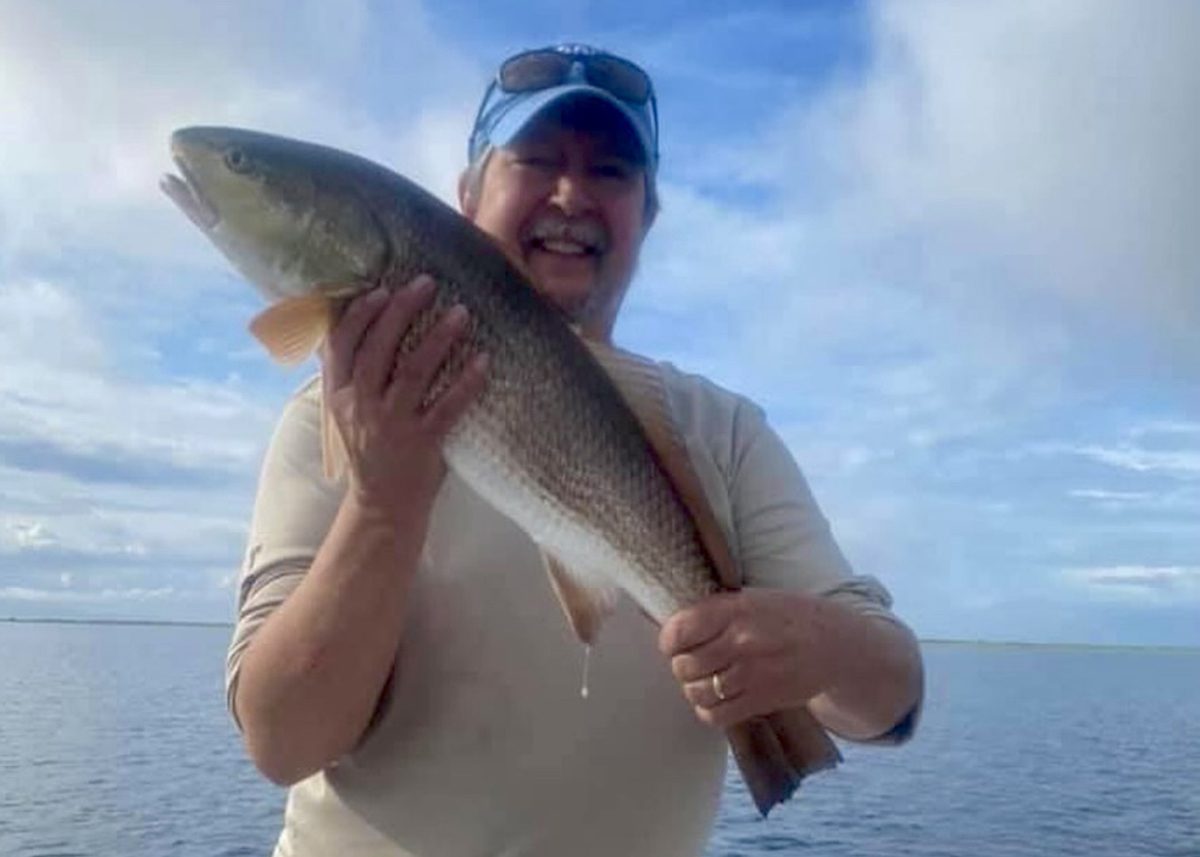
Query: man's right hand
x,y
312,676
378,394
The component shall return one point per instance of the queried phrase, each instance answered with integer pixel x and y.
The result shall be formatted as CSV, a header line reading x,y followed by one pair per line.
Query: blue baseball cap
x,y
531,82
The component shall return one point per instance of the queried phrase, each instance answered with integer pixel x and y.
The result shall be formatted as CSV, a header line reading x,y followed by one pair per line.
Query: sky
x,y
950,248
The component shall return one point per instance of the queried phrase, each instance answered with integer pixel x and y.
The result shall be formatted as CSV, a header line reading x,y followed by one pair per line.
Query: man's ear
x,y
651,208
467,203
648,219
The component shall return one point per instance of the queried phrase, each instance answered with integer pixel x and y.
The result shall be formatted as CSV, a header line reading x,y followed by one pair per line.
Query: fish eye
x,y
237,160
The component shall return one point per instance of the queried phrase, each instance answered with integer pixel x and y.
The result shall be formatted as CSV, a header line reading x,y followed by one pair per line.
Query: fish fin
x,y
335,458
641,386
769,777
293,328
586,606
775,753
805,742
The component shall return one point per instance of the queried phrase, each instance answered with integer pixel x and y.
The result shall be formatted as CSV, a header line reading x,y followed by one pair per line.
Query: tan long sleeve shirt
x,y
484,745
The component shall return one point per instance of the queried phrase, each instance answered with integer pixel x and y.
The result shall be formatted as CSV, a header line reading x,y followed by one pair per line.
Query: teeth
x,y
564,237
568,247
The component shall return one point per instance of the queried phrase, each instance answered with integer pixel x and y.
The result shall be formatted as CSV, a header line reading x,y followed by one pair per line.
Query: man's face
x,y
567,204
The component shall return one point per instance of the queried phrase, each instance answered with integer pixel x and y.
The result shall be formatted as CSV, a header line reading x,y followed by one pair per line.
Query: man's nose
x,y
572,194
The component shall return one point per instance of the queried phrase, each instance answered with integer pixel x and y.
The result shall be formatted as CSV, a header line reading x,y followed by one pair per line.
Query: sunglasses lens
x,y
533,71
623,79
543,69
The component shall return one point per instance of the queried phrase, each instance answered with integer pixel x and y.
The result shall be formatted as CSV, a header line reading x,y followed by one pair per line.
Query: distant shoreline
x,y
1020,644
933,641
155,622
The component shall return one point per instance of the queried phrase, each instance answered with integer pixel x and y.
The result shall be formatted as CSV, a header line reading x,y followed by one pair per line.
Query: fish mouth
x,y
185,194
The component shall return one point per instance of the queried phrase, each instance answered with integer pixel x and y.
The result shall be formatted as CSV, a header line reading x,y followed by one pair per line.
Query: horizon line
x,y
935,641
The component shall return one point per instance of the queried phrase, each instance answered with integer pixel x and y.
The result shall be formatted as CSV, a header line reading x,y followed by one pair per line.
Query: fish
x,y
571,439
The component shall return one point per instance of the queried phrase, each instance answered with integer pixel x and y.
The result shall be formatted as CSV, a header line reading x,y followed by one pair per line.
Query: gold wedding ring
x,y
718,689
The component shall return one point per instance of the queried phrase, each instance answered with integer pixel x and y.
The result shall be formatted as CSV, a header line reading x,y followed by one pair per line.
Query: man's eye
x,y
537,162
613,171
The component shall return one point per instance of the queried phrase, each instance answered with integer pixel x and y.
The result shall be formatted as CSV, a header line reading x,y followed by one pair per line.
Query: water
x,y
114,741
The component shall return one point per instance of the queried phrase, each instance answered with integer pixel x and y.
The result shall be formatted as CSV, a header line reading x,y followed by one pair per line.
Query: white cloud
x,y
1057,133
1167,428
61,596
28,535
1181,463
67,405
1139,582
108,472
87,103
1105,495
958,236
1020,165
1178,500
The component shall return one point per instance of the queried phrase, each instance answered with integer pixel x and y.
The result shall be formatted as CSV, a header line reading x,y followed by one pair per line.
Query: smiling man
x,y
400,661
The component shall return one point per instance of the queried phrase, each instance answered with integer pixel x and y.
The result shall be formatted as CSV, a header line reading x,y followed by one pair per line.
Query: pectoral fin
x,y
586,606
292,329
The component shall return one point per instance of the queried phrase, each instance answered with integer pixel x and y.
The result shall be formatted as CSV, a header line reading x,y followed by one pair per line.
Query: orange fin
x,y
768,775
804,741
775,753
586,607
641,386
293,328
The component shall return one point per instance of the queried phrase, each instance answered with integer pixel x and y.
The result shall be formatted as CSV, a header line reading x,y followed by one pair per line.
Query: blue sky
x,y
949,247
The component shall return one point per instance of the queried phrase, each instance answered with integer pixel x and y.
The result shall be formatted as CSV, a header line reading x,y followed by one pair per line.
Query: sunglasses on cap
x,y
545,68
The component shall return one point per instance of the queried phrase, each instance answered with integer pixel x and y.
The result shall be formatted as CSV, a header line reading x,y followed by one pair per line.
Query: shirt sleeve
x,y
293,510
783,539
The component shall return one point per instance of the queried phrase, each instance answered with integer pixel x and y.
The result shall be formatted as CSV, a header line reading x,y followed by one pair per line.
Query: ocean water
x,y
114,741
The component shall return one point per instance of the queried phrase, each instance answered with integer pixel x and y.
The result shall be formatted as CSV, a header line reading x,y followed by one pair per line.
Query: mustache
x,y
586,231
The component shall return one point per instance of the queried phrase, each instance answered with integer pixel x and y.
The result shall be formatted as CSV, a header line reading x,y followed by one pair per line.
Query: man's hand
x,y
761,650
312,676
739,655
376,395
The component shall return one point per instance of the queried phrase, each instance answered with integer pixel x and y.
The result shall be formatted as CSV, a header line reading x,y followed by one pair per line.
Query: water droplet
x,y
587,664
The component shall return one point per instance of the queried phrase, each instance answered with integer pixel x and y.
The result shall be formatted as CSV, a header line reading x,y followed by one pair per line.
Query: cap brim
x,y
527,107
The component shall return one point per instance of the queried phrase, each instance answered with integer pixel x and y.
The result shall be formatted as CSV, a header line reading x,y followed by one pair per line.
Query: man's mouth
x,y
563,248
566,238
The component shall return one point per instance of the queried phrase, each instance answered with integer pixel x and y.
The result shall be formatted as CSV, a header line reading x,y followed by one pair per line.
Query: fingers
x,y
728,697
377,350
345,337
719,687
412,374
364,351
729,658
701,662
453,403
694,626
734,711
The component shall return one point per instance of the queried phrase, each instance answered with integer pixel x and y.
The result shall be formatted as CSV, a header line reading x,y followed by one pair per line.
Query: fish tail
x,y
776,752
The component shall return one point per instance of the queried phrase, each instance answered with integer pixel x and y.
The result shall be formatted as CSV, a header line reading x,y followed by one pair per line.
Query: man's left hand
x,y
742,654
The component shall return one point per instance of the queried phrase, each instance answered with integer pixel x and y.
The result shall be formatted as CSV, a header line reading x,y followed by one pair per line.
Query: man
x,y
400,660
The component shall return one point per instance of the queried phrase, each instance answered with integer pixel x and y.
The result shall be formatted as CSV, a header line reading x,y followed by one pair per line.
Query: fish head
x,y
285,213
